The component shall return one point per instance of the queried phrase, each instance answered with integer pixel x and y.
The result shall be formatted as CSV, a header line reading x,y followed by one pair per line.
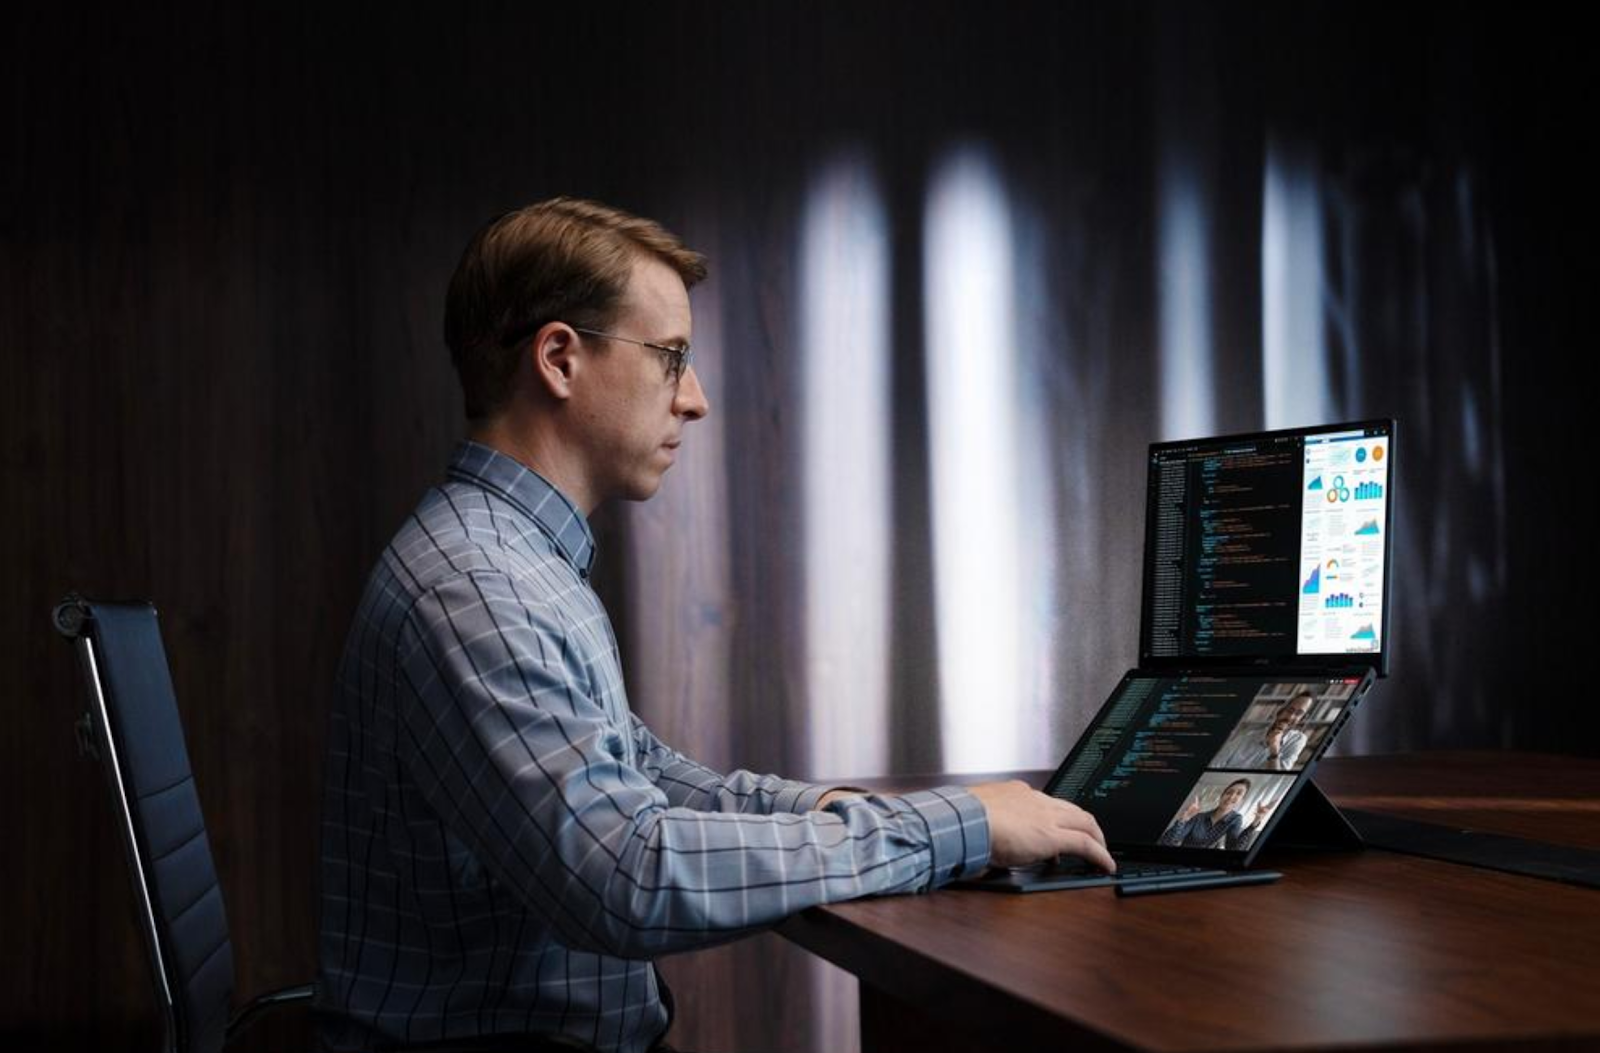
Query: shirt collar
x,y
556,516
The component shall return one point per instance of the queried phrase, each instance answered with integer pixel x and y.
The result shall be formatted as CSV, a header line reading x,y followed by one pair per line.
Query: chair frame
x,y
74,619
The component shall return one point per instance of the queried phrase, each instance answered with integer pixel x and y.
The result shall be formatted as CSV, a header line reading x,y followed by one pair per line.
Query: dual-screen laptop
x,y
1263,625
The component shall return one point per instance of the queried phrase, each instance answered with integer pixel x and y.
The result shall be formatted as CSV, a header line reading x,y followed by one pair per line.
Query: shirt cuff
x,y
958,832
798,797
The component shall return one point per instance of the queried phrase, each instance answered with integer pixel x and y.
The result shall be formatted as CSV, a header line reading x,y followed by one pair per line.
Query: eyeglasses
x,y
675,358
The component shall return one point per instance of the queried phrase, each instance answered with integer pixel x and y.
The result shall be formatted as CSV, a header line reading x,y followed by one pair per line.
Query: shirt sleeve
x,y
1289,749
1236,836
690,784
507,743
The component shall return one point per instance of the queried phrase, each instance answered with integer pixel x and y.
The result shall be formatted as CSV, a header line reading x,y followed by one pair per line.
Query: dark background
x,y
225,237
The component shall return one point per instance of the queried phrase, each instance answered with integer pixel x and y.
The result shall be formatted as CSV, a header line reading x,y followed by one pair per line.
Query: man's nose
x,y
690,401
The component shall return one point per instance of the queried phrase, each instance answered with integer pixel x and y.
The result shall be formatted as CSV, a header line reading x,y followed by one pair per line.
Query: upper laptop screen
x,y
1269,548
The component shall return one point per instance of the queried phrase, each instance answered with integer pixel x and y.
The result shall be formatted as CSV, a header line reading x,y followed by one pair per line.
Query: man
x,y
505,845
1223,827
1278,748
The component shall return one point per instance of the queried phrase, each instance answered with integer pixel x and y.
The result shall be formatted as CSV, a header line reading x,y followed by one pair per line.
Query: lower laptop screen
x,y
1202,761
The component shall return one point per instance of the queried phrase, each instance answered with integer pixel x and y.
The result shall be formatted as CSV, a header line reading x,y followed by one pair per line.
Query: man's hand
x,y
1264,809
1026,826
831,796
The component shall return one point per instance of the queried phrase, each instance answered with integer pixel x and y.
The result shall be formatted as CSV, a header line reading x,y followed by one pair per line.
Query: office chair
x,y
131,726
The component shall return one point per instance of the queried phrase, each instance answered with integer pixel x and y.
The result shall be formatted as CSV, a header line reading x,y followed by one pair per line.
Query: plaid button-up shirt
x,y
505,845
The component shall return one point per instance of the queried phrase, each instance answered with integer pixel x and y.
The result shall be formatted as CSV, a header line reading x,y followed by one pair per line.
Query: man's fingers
x,y
1072,817
1026,826
1085,847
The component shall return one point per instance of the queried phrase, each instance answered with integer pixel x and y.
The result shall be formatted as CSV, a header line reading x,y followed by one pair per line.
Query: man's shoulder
x,y
458,532
459,565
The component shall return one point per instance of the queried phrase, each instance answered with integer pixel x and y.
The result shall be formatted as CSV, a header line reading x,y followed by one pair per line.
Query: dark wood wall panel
x,y
224,241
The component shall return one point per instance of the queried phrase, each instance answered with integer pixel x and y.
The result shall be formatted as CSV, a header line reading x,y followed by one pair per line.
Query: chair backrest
x,y
133,726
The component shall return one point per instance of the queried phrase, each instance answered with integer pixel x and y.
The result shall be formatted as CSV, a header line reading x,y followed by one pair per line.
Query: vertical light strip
x,y
844,351
1293,342
969,319
1043,387
1187,404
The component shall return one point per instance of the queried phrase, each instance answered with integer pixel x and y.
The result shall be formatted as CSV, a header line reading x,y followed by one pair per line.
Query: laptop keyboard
x,y
1072,872
1127,869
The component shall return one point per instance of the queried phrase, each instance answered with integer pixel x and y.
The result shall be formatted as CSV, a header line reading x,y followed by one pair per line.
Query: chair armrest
x,y
259,1006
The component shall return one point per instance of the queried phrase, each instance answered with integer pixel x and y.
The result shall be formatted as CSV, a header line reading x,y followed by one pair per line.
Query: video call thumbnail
x,y
1226,811
1283,726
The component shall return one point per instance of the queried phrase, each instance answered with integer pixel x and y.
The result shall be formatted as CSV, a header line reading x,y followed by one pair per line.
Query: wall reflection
x,y
844,339
972,379
1293,342
1184,292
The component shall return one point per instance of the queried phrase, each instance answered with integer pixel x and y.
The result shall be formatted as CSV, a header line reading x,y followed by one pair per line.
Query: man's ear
x,y
553,354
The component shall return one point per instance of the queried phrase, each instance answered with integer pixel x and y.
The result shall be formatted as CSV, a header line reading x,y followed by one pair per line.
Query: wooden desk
x,y
1369,950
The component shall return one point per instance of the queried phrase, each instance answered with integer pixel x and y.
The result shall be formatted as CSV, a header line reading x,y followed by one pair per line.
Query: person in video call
x,y
1278,748
506,845
1222,827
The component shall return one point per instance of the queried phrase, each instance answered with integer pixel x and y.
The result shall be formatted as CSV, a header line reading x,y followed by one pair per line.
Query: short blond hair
x,y
564,260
